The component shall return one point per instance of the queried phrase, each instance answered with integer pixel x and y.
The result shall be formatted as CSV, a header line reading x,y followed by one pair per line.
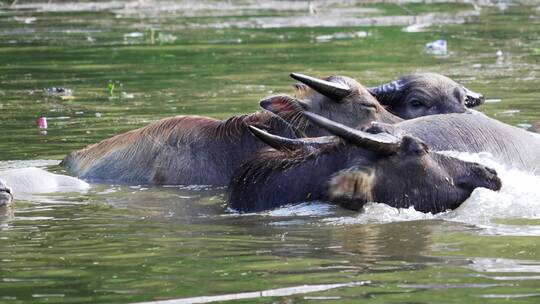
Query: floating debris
x,y
128,95
225,41
25,20
58,92
342,35
59,118
493,100
98,115
41,122
134,35
510,112
525,126
166,38
416,27
111,86
437,47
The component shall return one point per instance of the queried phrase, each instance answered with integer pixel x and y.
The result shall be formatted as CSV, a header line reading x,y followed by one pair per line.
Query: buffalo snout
x,y
481,176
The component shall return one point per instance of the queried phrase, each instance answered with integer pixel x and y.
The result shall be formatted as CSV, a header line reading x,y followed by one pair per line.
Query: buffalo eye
x,y
415,103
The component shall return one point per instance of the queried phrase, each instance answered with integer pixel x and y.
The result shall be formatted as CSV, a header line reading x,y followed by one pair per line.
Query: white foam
x,y
303,209
381,213
519,197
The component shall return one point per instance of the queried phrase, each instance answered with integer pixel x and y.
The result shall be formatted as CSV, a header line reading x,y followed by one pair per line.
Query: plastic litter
x,y
340,36
57,92
437,47
133,35
41,122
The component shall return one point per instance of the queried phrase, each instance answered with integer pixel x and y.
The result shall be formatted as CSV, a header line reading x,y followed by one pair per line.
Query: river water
x,y
125,244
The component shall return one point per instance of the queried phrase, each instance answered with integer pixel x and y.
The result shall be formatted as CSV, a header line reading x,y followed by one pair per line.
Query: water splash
x,y
518,198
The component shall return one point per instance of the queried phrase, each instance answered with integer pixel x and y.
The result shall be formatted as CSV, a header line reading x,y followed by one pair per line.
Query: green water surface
x,y
122,244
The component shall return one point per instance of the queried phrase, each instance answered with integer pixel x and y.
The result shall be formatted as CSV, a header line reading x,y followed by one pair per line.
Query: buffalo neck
x,y
274,178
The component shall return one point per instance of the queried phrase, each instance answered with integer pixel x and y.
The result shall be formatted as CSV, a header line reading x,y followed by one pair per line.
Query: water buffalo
x,y
6,196
255,188
200,150
336,97
354,168
475,132
468,132
423,94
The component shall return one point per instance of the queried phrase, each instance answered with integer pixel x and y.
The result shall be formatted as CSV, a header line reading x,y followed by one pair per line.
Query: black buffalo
x,y
423,94
302,168
354,168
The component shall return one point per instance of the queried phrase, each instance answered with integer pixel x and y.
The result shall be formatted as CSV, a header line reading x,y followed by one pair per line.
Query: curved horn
x,y
473,99
386,89
383,143
288,144
332,90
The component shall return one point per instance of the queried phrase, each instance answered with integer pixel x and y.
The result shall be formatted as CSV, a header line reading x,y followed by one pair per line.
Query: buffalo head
x,y
6,195
353,168
339,98
424,94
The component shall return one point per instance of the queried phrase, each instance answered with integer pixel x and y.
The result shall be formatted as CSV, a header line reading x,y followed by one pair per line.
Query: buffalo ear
x,y
411,145
280,104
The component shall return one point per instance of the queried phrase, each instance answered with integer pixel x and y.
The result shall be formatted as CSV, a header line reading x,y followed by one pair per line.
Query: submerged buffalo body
x,y
176,150
509,145
408,174
423,94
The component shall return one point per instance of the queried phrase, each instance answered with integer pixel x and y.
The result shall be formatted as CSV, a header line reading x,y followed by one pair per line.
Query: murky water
x,y
123,244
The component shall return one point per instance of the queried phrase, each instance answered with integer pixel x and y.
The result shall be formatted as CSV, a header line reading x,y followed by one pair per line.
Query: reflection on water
x,y
122,244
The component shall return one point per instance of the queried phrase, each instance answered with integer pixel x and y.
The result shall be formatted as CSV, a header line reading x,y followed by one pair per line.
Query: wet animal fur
x,y
352,185
175,150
